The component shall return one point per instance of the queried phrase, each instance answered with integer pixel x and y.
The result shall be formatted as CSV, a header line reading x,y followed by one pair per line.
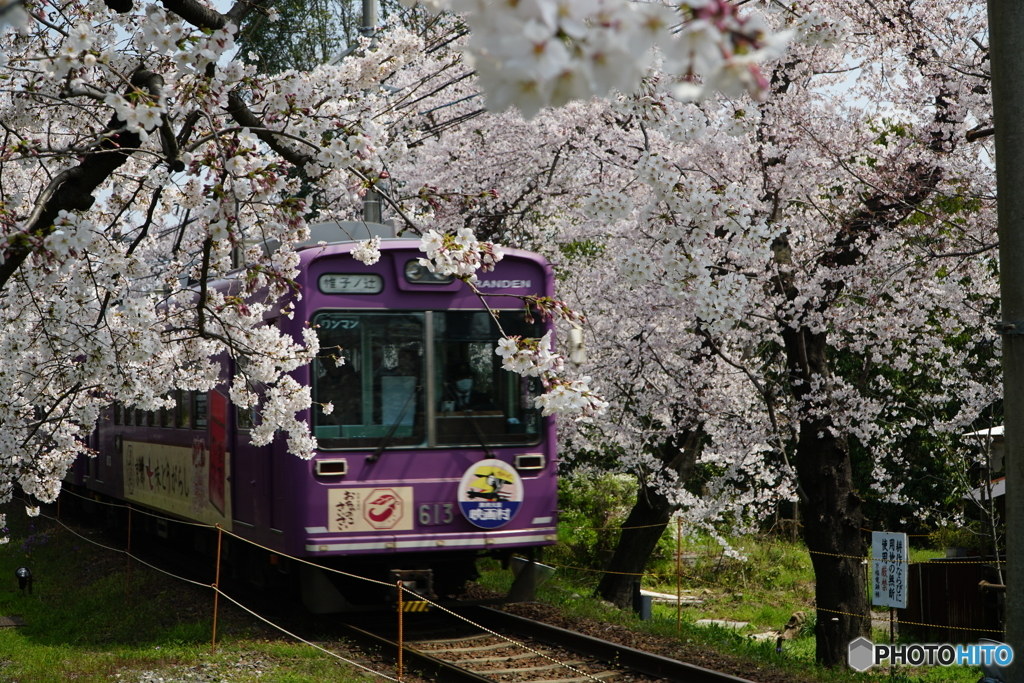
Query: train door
x,y
251,483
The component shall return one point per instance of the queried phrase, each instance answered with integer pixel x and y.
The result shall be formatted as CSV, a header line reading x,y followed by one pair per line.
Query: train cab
x,y
429,454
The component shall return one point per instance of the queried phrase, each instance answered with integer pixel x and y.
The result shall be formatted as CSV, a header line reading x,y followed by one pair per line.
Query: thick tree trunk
x,y
832,530
832,511
831,507
640,533
647,520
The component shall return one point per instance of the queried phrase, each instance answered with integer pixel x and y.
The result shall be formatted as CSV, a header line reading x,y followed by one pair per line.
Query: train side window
x,y
140,417
199,409
118,413
150,418
245,418
128,413
183,411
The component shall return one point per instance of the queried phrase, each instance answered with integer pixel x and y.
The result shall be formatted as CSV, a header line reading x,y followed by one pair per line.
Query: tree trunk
x,y
832,511
832,531
640,533
831,508
647,520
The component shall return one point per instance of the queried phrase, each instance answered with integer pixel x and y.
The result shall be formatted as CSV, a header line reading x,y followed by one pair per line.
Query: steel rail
x,y
613,653
424,664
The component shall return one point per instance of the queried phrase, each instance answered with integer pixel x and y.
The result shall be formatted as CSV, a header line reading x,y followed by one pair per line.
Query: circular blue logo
x,y
490,494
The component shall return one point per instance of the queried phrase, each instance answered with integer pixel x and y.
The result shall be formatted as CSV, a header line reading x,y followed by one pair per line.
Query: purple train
x,y
432,456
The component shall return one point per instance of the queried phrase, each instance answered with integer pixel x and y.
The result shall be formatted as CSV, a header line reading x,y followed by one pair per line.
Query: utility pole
x,y
1006,36
371,200
369,19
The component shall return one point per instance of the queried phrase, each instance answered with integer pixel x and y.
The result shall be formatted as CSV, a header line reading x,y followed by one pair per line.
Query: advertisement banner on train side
x,y
188,482
370,509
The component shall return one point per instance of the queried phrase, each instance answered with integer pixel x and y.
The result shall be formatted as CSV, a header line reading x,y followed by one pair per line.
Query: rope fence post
x,y
128,556
892,639
401,613
679,575
869,574
216,589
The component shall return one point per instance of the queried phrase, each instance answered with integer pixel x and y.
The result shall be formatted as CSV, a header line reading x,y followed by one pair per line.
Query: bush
x,y
593,505
971,537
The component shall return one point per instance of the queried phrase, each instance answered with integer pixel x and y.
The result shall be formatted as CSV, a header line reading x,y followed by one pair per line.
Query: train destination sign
x,y
351,283
490,494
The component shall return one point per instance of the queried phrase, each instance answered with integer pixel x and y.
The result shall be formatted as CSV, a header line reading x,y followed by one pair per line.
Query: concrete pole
x,y
371,200
1006,45
369,18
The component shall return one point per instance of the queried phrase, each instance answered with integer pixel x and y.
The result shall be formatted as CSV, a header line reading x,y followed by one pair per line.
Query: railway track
x,y
523,651
442,648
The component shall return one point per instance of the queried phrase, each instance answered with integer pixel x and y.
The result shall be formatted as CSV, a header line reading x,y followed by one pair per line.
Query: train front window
x,y
475,398
377,391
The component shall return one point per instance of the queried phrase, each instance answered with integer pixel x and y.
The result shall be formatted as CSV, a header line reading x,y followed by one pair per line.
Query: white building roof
x,y
994,431
997,488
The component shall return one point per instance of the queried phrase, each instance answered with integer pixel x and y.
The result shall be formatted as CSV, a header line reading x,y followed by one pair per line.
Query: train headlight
x,y
418,274
530,462
331,468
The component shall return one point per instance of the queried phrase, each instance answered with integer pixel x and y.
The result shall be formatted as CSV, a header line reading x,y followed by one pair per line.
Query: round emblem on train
x,y
490,494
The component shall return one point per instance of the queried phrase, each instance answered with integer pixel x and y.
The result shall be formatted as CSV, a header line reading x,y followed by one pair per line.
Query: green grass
x,y
774,580
85,621
797,656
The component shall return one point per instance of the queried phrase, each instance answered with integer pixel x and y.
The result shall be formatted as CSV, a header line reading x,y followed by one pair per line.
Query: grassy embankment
x,y
84,624
774,580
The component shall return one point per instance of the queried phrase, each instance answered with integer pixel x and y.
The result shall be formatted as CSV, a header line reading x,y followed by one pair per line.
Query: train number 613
x,y
436,513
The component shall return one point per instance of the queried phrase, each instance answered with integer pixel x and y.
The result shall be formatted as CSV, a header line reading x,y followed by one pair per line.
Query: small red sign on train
x,y
383,508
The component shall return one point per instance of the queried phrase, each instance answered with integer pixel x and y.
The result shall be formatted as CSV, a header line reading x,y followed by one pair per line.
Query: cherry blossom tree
x,y
126,178
137,169
754,269
141,163
882,252
790,291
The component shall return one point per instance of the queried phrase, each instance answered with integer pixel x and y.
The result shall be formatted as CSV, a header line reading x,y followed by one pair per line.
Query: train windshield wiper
x,y
475,425
375,456
479,433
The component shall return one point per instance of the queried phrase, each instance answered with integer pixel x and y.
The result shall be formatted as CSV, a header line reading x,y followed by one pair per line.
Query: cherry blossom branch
x,y
201,16
963,254
769,404
71,190
241,113
462,255
204,272
976,134
245,117
386,196
39,423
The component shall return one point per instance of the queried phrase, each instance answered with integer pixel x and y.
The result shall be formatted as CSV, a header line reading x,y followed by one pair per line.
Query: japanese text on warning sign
x,y
889,569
